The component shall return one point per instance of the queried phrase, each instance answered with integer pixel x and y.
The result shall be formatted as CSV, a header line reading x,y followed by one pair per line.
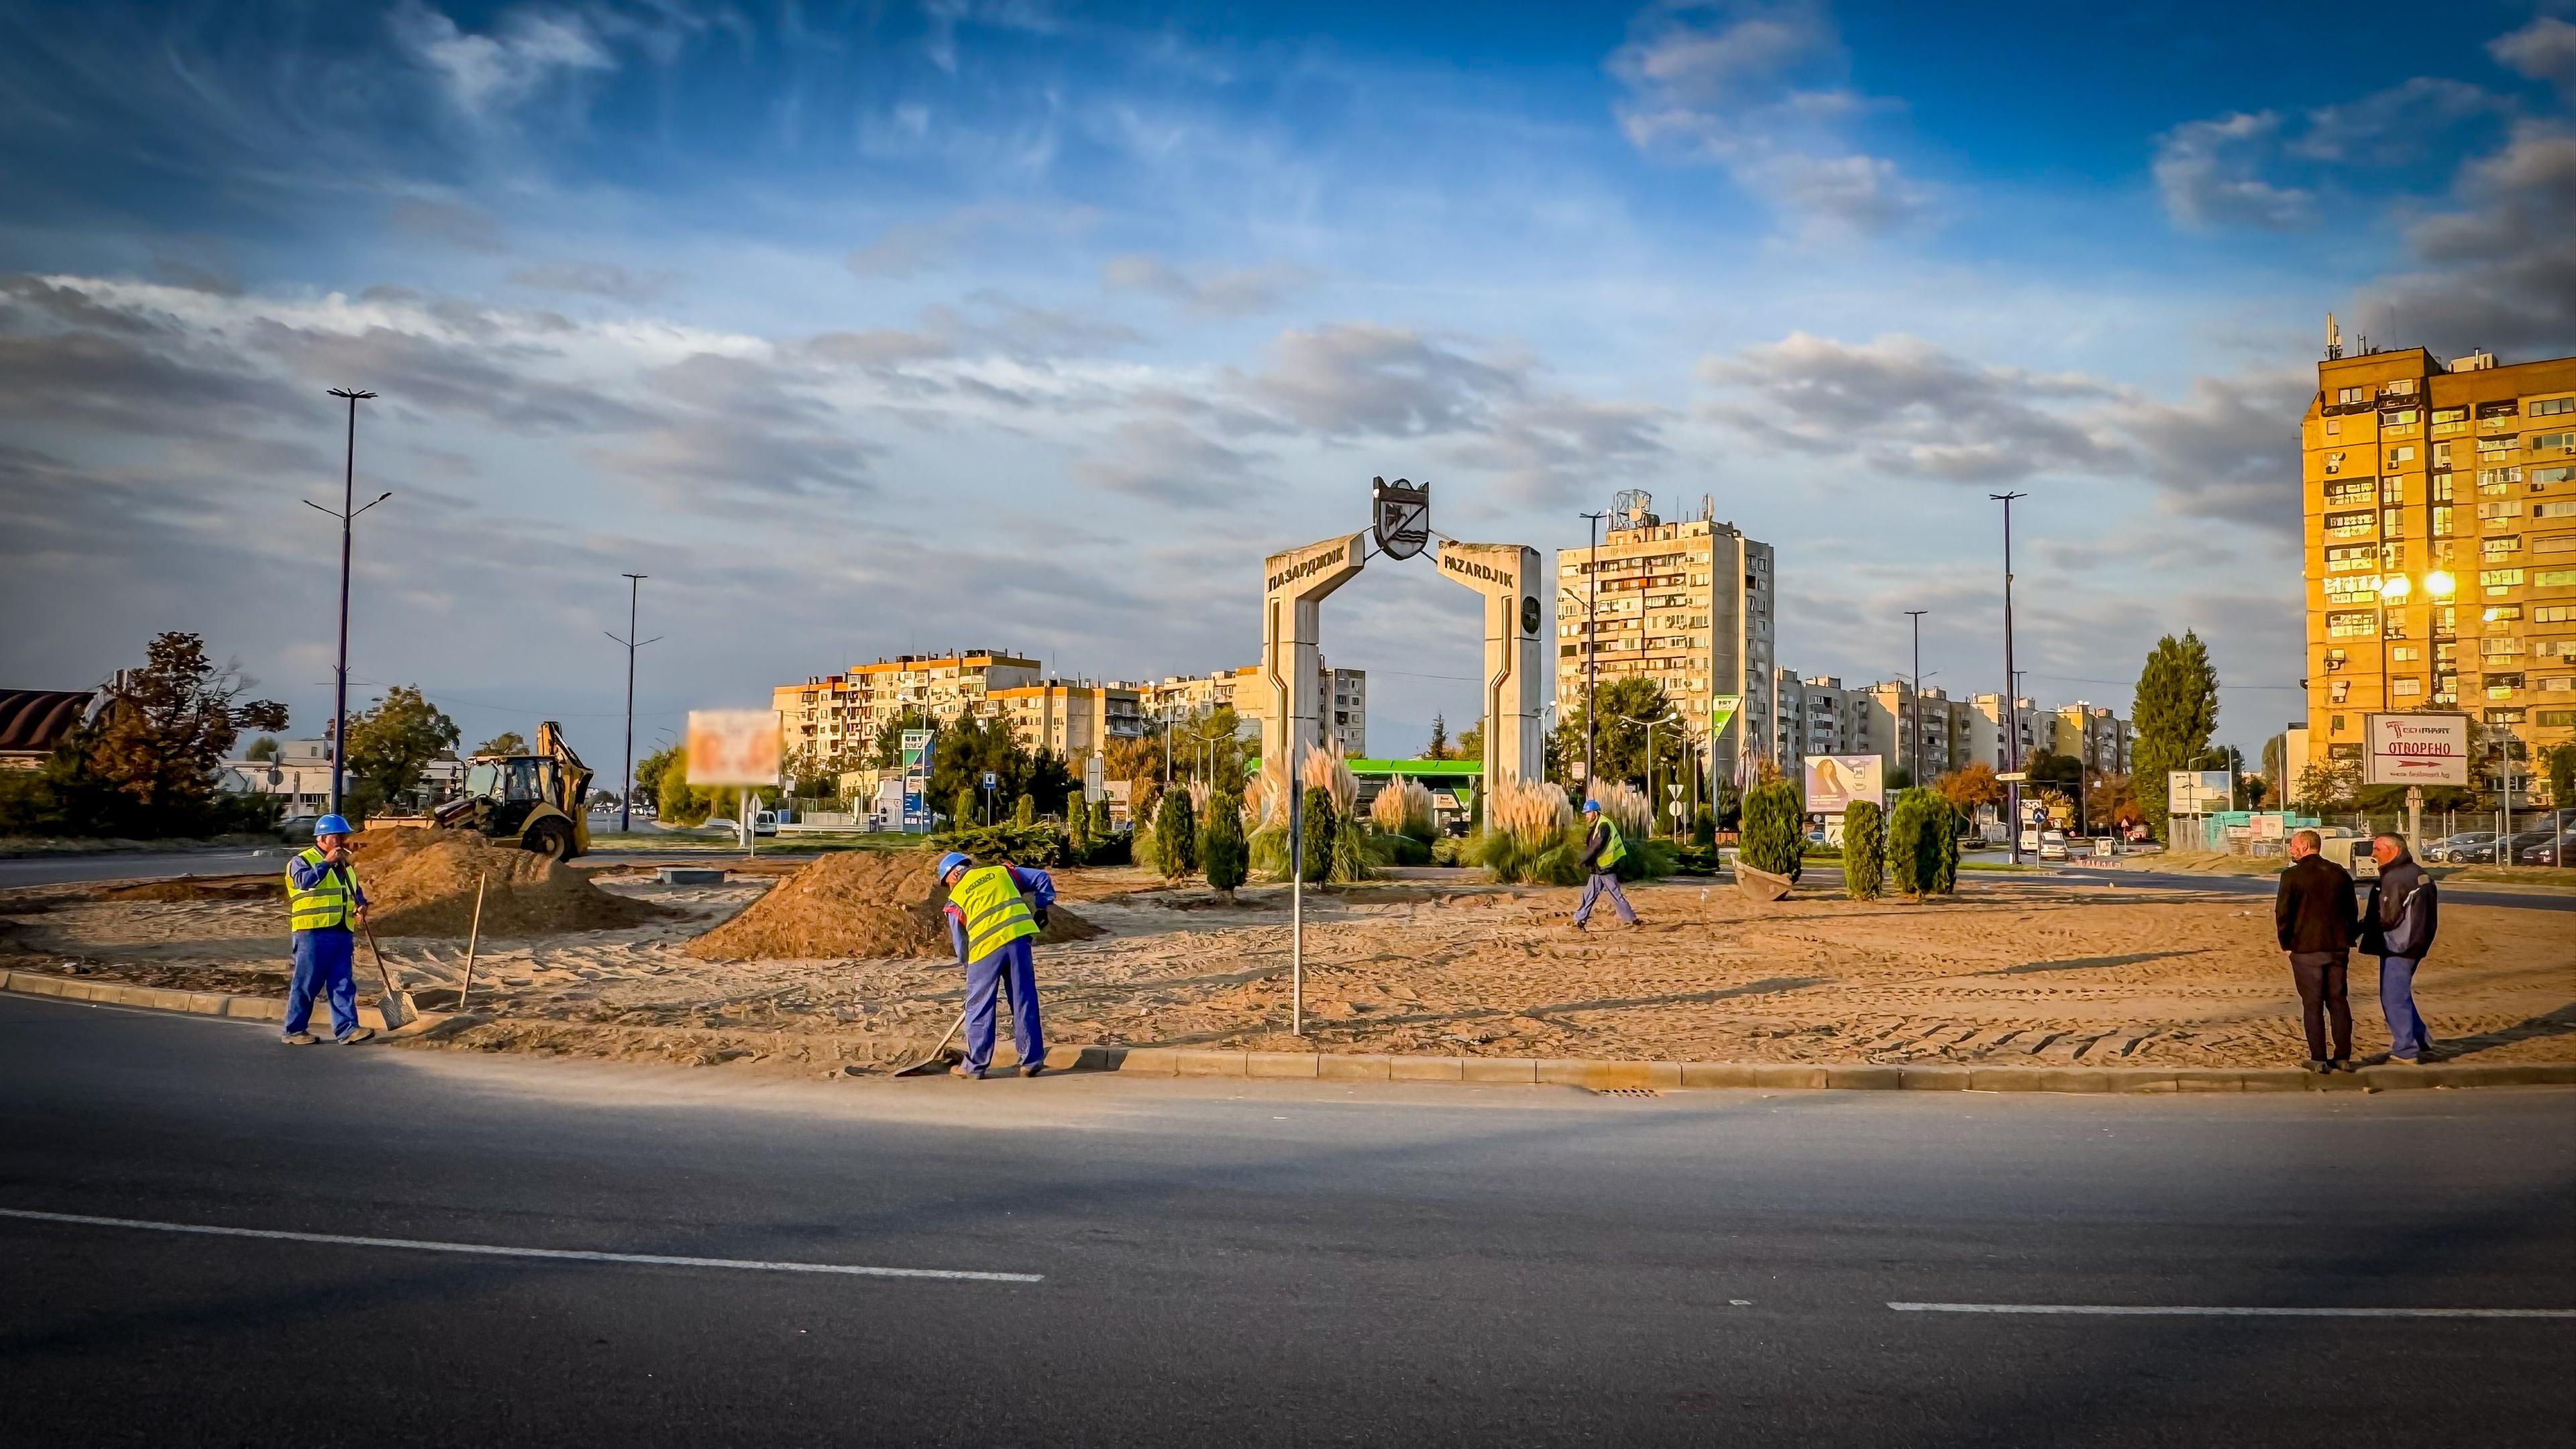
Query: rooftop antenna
x,y
2334,338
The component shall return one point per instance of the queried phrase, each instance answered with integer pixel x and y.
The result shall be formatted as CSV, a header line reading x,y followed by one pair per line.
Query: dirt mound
x,y
867,903
421,883
201,888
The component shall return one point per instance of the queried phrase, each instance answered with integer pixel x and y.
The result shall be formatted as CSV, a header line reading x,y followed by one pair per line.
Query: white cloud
x,y
2500,270
486,74
1763,92
2543,50
1205,292
2209,174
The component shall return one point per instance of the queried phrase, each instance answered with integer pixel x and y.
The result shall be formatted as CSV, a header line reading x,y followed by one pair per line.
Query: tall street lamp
x,y
1591,648
347,516
626,787
2012,695
1914,743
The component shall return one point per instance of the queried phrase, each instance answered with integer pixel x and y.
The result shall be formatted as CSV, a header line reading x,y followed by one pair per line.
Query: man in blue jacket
x,y
994,913
322,901
2397,927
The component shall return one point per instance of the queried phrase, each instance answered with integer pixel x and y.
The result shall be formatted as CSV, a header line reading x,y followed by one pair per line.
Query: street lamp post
x,y
1914,742
1591,648
347,516
626,787
1651,808
2012,697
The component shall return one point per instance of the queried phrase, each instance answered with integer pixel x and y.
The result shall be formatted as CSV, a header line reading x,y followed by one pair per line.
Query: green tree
x,y
1025,811
1100,827
2562,777
1223,853
1775,829
1077,826
166,727
1619,749
1914,850
390,747
263,748
662,782
1439,748
1471,742
508,742
1864,851
1176,835
888,753
2176,709
961,810
1319,827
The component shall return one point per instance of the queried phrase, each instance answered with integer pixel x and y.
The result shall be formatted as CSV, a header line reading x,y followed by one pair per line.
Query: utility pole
x,y
2012,694
626,786
347,516
1914,744
1591,649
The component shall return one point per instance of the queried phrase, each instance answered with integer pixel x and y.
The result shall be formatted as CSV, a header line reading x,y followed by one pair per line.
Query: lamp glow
x,y
2440,584
2395,588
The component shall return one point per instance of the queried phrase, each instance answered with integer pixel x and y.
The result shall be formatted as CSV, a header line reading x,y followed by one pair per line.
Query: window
x,y
2553,578
2347,560
2500,510
2554,510
2349,395
2334,427
2490,446
2442,489
2404,453
2392,490
2401,418
2441,454
2450,415
2553,614
2491,477
2352,624
2502,716
2352,490
2551,475
2550,407
2505,648
2554,543
2557,718
2401,387
2552,443
2441,521
2496,548
2496,612
2407,654
2346,525
2405,687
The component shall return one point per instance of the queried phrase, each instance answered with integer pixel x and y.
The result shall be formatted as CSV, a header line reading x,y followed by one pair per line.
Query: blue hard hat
x,y
951,861
1591,807
331,825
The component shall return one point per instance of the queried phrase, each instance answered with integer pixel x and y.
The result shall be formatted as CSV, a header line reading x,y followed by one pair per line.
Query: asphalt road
x,y
1243,1263
139,865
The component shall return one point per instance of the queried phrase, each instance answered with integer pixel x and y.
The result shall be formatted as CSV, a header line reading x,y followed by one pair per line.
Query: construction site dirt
x,y
2018,972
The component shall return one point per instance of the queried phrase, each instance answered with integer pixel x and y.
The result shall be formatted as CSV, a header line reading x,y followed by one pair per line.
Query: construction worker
x,y
322,901
994,913
1603,849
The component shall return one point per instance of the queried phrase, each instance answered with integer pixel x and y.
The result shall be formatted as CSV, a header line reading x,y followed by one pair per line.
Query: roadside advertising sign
x,y
2417,749
1834,782
733,747
1721,713
2196,792
916,781
1095,778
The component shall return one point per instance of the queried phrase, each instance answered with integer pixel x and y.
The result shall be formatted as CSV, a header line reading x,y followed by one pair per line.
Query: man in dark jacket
x,y
1603,848
2398,929
2314,917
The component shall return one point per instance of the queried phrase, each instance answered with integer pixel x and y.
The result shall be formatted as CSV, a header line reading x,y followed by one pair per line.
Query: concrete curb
x,y
1597,1076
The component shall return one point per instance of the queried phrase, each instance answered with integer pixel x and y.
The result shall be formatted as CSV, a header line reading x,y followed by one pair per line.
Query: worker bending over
x,y
994,913
322,899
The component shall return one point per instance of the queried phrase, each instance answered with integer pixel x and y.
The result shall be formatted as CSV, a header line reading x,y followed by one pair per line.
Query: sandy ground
x,y
2015,972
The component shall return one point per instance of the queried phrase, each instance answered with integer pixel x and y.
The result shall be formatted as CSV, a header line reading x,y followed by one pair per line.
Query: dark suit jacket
x,y
2315,910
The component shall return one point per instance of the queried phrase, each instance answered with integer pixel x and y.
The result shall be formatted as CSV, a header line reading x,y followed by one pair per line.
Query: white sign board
x,y
2417,749
733,747
1834,782
2195,792
1095,778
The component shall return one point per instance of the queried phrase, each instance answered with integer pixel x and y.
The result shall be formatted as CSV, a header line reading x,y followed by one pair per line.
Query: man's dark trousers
x,y
2323,996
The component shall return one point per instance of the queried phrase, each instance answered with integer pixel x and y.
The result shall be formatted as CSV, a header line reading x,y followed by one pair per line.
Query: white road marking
x,y
497,1250
2107,1310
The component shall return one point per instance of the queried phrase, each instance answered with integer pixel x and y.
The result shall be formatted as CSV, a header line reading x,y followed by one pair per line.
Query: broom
x,y
394,1004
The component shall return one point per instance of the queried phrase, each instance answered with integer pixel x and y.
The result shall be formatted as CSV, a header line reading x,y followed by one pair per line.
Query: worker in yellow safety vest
x,y
322,902
994,913
1603,848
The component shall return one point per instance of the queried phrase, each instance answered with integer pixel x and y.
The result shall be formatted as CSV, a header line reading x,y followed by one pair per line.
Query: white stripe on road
x,y
2126,1311
495,1250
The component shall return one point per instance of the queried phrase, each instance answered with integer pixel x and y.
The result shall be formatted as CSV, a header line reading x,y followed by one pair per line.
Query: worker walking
x,y
994,913
1603,849
322,902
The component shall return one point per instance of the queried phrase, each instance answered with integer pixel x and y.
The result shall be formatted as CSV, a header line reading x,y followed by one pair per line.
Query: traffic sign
x,y
991,780
2015,778
1678,810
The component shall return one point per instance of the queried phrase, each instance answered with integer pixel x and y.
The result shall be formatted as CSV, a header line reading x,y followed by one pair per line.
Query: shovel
x,y
395,1005
938,1055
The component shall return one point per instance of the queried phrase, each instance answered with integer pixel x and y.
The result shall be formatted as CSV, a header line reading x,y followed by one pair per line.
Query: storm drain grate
x,y
1626,1092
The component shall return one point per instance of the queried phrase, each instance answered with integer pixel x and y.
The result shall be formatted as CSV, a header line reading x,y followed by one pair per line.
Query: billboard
x,y
733,747
2196,792
916,781
1834,782
2416,749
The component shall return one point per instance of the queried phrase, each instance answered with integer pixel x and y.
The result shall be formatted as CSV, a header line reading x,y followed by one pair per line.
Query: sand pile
x,y
421,883
868,903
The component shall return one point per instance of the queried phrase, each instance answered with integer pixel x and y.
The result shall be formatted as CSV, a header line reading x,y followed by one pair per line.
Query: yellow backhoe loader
x,y
533,801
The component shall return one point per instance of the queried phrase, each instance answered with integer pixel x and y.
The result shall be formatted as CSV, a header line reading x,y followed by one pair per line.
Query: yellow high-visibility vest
x,y
995,911
1615,849
327,903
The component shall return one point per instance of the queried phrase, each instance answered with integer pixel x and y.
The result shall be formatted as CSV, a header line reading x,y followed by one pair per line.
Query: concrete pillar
x,y
1294,585
1514,684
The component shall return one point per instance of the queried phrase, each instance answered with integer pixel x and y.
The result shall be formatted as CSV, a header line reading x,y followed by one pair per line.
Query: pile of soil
x,y
421,882
201,888
876,904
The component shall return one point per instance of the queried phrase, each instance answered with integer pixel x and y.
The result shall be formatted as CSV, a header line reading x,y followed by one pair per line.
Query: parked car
x,y
2558,849
2444,851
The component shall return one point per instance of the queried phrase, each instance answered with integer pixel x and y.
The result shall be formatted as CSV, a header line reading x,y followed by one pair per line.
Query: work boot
x,y
301,1038
356,1035
1033,1069
969,1073
2317,1066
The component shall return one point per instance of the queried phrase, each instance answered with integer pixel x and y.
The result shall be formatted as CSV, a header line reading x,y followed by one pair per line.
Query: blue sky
x,y
892,327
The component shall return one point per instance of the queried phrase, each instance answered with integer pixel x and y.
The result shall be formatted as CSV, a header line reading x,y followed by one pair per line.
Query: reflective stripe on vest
x,y
1615,849
995,911
326,904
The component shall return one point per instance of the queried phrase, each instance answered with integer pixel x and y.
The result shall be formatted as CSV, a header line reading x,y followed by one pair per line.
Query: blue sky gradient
x,y
891,327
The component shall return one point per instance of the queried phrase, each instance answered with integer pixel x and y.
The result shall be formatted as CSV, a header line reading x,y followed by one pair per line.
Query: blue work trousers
x,y
2406,1034
1602,883
1010,969
322,968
